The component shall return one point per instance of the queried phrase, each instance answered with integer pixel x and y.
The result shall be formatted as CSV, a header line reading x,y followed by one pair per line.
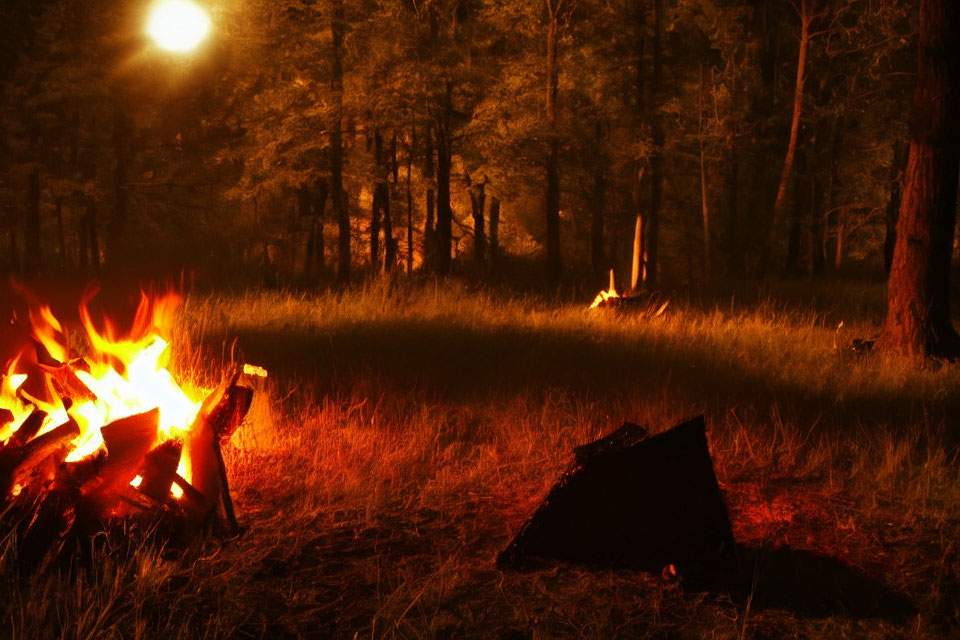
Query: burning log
x,y
222,413
29,428
127,441
69,483
53,447
159,469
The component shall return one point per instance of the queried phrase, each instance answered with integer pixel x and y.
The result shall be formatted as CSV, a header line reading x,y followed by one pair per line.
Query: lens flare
x,y
178,25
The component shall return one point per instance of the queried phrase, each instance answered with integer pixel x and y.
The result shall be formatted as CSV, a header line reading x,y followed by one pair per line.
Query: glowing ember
x,y
603,296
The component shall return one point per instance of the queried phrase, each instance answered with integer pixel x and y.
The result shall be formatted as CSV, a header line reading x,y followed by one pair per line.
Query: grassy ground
x,y
407,432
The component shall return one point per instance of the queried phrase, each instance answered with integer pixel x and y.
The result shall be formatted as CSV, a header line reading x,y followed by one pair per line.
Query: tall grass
x,y
407,431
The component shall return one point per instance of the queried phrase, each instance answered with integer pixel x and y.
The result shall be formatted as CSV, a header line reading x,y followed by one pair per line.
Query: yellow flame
x,y
126,376
603,296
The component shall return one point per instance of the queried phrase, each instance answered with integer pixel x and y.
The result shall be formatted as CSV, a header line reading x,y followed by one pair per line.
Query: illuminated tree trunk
x,y
918,290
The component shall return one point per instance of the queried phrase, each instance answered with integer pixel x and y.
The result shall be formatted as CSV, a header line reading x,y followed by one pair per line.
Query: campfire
x,y
609,294
111,436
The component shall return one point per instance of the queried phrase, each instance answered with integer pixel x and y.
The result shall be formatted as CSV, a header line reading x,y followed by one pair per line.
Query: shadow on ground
x,y
817,586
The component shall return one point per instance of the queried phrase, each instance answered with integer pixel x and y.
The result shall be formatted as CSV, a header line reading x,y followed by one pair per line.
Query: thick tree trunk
x,y
32,258
900,152
554,261
337,31
918,291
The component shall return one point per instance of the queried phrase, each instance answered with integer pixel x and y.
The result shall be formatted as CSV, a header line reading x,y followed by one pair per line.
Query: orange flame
x,y
120,376
603,296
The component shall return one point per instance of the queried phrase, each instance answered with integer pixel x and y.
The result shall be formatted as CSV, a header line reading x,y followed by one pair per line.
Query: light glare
x,y
178,25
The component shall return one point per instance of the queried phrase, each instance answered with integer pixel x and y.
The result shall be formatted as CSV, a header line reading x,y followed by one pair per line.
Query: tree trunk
x,y
638,271
554,262
320,212
429,225
410,153
780,204
901,150
444,162
337,30
918,291
478,204
377,209
32,258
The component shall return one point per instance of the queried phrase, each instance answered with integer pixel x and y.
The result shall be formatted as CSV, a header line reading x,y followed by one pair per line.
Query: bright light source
x,y
178,25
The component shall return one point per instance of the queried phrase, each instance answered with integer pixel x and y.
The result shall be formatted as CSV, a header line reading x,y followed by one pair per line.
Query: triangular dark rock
x,y
635,503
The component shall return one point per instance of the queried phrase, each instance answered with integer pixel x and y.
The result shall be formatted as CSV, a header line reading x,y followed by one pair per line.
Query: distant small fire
x,y
603,296
112,432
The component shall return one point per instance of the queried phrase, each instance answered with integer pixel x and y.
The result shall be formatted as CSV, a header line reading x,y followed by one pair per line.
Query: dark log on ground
x,y
644,505
6,417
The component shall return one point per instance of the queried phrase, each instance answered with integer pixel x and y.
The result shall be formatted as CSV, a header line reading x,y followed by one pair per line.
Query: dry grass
x,y
407,431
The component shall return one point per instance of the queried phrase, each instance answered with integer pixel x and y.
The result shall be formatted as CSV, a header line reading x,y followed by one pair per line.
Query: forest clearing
x,y
405,433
